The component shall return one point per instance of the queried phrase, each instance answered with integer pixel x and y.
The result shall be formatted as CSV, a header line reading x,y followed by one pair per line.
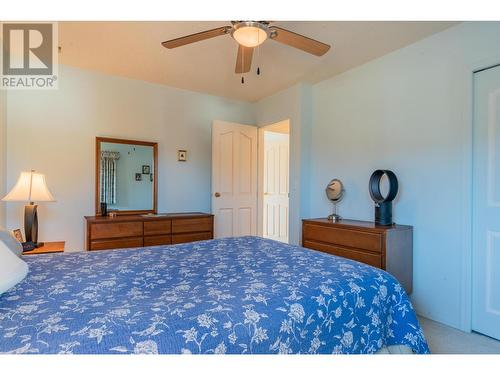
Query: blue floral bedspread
x,y
234,295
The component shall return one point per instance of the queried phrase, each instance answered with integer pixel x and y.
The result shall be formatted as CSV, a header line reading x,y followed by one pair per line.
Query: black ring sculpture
x,y
383,205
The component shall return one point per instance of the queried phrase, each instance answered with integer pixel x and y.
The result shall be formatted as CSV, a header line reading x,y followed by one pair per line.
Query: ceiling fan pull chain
x,y
258,55
258,60
242,67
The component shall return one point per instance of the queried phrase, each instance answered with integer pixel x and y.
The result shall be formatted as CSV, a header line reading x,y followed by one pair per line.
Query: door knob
x,y
217,195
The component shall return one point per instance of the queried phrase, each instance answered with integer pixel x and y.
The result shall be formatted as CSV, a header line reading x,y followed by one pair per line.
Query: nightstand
x,y
47,248
387,247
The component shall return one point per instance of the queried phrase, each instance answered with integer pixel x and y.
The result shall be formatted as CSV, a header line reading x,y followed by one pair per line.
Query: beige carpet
x,y
446,340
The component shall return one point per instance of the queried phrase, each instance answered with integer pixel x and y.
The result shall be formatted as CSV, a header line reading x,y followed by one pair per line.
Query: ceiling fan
x,y
249,35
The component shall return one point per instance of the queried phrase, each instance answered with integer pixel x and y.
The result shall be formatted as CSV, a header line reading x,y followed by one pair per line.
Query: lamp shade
x,y
250,36
30,187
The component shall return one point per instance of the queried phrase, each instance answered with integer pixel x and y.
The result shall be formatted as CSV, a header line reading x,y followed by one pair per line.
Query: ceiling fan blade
x,y
244,59
188,39
298,41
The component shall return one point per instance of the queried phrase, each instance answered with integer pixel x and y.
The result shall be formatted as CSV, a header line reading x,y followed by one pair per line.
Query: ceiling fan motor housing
x,y
383,205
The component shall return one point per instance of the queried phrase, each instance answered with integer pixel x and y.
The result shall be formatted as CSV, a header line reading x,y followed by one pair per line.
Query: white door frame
x,y
260,175
466,268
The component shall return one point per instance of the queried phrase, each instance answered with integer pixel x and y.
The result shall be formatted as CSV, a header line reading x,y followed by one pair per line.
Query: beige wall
x,y
410,111
294,105
54,133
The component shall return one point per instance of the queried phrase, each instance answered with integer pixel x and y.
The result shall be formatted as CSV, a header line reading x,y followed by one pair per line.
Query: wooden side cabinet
x,y
126,231
387,247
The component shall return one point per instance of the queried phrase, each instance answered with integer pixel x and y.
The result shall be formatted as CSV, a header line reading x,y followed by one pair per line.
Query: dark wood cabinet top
x,y
357,224
166,216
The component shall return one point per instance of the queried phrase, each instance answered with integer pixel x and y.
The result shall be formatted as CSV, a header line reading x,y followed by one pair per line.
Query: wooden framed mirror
x,y
126,175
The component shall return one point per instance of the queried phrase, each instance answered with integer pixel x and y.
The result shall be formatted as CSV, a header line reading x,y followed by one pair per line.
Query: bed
x,y
235,295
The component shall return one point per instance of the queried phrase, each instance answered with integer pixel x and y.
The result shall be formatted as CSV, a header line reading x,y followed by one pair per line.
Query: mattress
x,y
236,295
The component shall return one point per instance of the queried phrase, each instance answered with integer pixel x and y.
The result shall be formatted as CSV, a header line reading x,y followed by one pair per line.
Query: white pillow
x,y
11,242
12,268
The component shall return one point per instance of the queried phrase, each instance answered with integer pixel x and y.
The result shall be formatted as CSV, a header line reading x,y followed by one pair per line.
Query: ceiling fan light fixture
x,y
250,34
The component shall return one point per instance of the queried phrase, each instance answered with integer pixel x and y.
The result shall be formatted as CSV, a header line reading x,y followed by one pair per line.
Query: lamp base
x,y
31,223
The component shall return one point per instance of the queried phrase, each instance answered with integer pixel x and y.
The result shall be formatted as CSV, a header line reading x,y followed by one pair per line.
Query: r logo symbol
x,y
27,49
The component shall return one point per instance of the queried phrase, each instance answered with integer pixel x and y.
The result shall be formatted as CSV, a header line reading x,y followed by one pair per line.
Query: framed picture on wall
x,y
138,177
146,169
19,236
182,155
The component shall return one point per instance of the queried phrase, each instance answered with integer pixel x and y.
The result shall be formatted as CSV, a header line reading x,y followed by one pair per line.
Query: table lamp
x,y
30,187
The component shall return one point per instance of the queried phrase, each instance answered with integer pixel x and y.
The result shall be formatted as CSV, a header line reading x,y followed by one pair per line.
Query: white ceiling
x,y
133,50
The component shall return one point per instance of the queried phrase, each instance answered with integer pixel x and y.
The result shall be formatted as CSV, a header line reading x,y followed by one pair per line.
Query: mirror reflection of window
x,y
120,186
109,161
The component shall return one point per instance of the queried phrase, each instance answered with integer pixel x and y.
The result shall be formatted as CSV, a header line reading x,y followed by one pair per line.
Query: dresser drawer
x,y
157,227
116,244
361,256
343,237
115,230
203,224
182,238
157,240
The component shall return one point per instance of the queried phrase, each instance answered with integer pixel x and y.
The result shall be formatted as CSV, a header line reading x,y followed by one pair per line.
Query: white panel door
x,y
486,204
276,188
234,179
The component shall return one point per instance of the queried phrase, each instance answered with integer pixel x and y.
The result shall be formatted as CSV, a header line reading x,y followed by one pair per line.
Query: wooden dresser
x,y
104,232
387,247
